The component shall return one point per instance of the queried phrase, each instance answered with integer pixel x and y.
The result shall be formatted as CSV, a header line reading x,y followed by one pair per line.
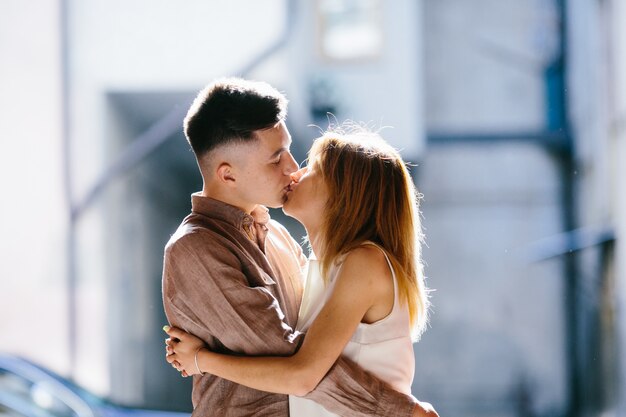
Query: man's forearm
x,y
348,390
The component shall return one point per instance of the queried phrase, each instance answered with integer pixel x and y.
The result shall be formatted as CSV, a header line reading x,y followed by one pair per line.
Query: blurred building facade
x,y
513,111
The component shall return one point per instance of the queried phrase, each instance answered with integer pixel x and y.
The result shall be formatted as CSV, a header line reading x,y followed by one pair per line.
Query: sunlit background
x,y
513,113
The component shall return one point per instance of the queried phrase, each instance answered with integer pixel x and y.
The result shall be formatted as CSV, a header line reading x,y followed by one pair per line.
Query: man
x,y
231,276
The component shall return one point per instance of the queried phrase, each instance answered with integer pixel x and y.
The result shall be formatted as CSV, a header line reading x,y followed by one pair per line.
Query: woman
x,y
365,297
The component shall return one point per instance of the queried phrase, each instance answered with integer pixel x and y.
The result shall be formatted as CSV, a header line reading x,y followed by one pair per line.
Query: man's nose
x,y
291,165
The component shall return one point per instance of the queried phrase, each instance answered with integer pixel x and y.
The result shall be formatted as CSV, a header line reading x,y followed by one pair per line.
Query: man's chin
x,y
284,200
276,204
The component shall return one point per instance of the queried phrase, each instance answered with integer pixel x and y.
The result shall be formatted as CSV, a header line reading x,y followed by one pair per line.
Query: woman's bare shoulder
x,y
369,263
369,274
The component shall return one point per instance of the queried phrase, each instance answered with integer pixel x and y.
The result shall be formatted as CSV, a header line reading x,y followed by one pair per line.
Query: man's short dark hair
x,y
229,110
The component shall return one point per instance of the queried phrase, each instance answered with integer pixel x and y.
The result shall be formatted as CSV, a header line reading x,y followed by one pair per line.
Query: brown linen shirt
x,y
234,280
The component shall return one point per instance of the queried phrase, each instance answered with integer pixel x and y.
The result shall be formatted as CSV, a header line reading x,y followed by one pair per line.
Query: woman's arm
x,y
364,281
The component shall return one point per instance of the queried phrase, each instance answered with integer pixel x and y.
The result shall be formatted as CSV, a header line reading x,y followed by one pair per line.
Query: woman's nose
x,y
298,174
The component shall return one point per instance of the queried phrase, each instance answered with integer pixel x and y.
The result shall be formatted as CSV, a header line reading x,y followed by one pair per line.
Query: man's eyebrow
x,y
278,152
281,150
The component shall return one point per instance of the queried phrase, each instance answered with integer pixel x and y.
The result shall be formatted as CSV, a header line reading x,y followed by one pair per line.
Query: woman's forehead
x,y
313,159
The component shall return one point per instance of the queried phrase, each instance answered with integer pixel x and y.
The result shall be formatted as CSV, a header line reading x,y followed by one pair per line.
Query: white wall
x,y
33,216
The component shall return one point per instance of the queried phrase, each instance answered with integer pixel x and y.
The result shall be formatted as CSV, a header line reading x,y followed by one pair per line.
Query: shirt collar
x,y
216,209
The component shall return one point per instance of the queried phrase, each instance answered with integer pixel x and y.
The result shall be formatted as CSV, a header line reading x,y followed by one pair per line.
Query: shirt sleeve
x,y
207,294
350,391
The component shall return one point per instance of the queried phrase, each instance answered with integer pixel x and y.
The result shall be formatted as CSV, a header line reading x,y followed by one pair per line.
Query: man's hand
x,y
423,409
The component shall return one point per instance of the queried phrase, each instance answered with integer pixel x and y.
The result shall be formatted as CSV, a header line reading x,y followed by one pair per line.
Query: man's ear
x,y
226,173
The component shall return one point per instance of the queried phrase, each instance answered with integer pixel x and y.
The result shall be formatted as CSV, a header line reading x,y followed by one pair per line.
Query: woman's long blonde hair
x,y
372,198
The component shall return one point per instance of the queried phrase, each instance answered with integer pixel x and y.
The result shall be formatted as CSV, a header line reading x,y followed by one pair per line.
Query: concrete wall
x,y
33,213
496,346
496,342
617,128
484,64
597,41
588,95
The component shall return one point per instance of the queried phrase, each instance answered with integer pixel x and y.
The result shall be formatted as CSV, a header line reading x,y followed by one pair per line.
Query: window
x,y
350,29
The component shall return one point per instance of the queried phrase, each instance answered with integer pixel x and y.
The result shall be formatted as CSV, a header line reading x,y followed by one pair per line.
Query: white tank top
x,y
383,348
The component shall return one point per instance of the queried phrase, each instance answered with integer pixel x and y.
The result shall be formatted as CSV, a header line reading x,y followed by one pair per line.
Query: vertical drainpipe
x,y
559,120
67,184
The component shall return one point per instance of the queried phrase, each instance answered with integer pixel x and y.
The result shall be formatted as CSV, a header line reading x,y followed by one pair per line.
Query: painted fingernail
x,y
166,328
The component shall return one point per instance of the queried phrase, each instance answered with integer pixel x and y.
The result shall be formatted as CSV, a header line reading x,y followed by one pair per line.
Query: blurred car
x,y
29,390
